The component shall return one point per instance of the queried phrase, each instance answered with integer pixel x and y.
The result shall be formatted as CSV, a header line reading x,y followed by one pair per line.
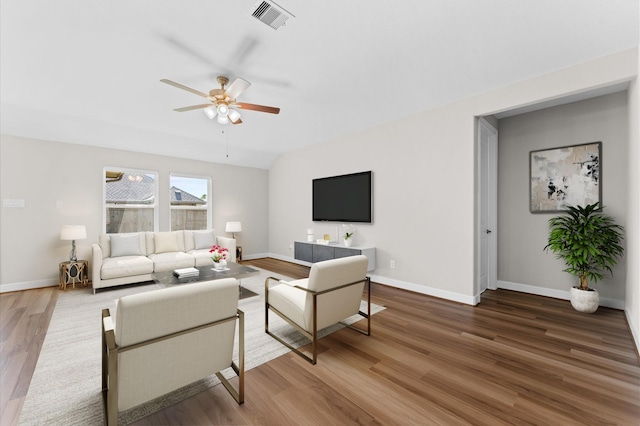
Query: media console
x,y
315,252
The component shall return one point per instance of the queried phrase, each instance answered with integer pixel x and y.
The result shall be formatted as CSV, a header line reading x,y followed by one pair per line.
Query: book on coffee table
x,y
186,272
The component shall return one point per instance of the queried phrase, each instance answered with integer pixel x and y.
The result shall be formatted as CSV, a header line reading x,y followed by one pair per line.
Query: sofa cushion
x,y
203,239
170,261
125,266
166,242
125,245
202,257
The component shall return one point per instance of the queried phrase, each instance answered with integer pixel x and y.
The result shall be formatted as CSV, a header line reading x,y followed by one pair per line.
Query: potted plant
x,y
349,230
588,241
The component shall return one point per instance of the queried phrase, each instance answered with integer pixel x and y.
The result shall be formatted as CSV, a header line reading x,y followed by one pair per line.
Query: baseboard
x,y
404,285
255,256
422,289
27,285
634,331
556,294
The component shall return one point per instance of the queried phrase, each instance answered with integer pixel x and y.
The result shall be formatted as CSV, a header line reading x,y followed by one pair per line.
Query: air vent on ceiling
x,y
271,14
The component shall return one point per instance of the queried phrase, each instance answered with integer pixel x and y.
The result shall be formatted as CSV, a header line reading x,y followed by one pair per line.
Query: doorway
x,y
487,208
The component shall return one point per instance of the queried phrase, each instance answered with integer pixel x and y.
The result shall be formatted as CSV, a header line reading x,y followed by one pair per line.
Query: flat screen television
x,y
345,198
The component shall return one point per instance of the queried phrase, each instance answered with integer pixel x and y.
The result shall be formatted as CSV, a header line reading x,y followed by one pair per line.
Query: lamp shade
x,y
234,227
210,111
73,232
233,115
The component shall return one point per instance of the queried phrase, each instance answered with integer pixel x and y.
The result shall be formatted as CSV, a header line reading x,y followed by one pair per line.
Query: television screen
x,y
345,198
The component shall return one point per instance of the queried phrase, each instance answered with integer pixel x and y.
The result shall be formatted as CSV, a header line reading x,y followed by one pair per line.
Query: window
x,y
190,202
130,200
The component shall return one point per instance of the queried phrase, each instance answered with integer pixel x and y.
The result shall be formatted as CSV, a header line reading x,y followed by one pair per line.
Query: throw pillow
x,y
125,245
166,242
204,239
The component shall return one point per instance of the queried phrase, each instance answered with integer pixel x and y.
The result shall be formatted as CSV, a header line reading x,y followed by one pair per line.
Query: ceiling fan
x,y
222,102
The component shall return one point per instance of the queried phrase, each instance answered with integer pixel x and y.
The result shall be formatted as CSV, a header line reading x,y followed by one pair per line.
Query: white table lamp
x,y
73,233
234,227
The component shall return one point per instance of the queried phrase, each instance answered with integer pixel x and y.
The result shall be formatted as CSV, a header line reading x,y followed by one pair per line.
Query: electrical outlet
x,y
290,246
392,264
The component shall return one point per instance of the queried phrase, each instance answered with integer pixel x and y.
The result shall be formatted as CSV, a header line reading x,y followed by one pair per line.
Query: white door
x,y
487,206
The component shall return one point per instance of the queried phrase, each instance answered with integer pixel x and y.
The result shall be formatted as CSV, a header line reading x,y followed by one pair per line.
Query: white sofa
x,y
127,258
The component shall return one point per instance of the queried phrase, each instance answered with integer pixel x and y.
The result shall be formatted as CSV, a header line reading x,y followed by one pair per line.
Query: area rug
x,y
66,384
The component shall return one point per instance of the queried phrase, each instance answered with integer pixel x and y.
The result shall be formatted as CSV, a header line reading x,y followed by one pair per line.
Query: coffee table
x,y
208,273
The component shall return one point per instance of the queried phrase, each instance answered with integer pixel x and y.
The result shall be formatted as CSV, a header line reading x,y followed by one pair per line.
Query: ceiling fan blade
x,y
180,86
261,108
192,107
238,121
236,88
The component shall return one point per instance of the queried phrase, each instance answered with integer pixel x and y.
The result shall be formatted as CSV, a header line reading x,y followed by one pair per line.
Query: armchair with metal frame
x,y
332,293
166,339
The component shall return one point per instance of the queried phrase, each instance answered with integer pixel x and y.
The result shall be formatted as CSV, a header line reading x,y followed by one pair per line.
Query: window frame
x,y
208,208
154,205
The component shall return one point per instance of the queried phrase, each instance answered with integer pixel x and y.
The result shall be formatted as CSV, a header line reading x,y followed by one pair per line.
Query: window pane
x,y
129,220
189,202
188,219
130,201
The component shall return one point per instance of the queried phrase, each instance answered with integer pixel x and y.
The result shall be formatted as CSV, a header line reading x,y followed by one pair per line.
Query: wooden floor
x,y
513,359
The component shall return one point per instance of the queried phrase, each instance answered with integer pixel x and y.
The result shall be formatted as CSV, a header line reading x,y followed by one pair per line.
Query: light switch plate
x,y
12,203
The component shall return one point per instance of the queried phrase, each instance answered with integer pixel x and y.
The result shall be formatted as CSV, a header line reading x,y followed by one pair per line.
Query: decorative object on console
x,y
73,233
219,256
349,230
310,234
234,227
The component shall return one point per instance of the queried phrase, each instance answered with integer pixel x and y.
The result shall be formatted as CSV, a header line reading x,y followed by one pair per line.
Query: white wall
x,y
632,305
523,265
44,172
424,181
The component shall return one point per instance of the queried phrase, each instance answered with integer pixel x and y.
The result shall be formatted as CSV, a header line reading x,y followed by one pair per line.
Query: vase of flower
x,y
220,264
219,256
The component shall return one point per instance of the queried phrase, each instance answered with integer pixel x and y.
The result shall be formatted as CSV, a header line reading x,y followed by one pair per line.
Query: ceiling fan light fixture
x,y
223,110
210,112
223,119
233,115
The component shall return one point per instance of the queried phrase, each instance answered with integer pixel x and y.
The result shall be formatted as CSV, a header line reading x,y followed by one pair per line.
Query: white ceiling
x,y
88,71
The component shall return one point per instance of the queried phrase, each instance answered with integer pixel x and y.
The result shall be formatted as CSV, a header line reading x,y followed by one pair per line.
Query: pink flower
x,y
219,253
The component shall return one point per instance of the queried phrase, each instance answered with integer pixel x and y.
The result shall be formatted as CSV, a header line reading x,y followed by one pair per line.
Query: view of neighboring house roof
x,y
138,188
130,188
180,197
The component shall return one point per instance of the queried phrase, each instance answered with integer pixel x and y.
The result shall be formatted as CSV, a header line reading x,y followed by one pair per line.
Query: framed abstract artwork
x,y
565,176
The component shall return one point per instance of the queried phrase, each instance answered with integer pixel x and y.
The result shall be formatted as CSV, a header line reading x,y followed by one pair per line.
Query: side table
x,y
73,272
238,253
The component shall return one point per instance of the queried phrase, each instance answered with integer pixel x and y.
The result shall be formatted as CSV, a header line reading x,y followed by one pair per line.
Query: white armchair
x,y
332,293
165,339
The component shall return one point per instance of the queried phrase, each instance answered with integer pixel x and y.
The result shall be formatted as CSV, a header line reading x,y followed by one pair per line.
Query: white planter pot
x,y
347,242
220,265
586,301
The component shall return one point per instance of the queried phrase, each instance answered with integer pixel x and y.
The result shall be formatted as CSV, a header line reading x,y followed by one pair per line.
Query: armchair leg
x,y
309,336
366,315
238,394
